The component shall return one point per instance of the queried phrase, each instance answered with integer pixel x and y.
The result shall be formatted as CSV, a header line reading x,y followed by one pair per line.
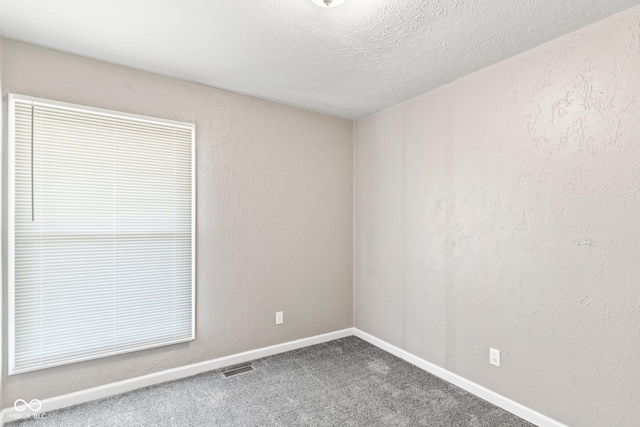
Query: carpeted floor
x,y
347,382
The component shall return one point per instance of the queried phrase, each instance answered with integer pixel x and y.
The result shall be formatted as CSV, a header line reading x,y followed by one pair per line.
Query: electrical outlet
x,y
494,357
279,317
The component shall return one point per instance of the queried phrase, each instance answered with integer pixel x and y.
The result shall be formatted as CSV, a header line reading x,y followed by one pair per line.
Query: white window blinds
x,y
101,233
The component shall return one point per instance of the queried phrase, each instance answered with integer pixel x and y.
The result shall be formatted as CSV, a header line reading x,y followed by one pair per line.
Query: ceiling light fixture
x,y
328,3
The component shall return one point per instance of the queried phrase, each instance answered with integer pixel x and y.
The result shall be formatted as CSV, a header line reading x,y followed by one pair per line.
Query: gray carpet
x,y
347,382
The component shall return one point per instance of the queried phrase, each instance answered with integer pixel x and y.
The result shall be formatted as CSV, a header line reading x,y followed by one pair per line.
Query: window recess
x,y
101,233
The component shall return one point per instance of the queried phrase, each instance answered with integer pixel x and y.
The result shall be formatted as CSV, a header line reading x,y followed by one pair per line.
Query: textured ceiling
x,y
348,61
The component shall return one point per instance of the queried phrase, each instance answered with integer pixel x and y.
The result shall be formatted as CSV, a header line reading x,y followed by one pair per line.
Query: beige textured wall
x,y
274,213
503,210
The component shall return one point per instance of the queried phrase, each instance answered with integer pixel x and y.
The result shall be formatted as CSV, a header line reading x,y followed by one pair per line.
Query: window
x,y
101,233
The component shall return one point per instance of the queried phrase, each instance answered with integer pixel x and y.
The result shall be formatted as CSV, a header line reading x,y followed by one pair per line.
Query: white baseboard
x,y
107,390
465,384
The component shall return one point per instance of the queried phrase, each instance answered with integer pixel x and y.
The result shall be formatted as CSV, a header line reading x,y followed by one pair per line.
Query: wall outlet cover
x,y
494,357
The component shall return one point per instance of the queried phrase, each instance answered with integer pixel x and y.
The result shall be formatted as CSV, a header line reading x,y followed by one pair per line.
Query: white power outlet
x,y
494,357
279,317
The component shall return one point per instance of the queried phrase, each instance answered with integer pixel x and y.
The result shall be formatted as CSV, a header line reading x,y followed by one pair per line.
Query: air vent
x,y
237,371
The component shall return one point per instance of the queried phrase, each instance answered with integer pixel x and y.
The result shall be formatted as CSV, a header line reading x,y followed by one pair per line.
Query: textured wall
x,y
503,210
274,213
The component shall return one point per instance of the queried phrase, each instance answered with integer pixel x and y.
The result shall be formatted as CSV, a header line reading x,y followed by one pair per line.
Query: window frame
x,y
12,98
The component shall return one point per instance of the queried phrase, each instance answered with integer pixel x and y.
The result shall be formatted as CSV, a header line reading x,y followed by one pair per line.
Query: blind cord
x,y
33,215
